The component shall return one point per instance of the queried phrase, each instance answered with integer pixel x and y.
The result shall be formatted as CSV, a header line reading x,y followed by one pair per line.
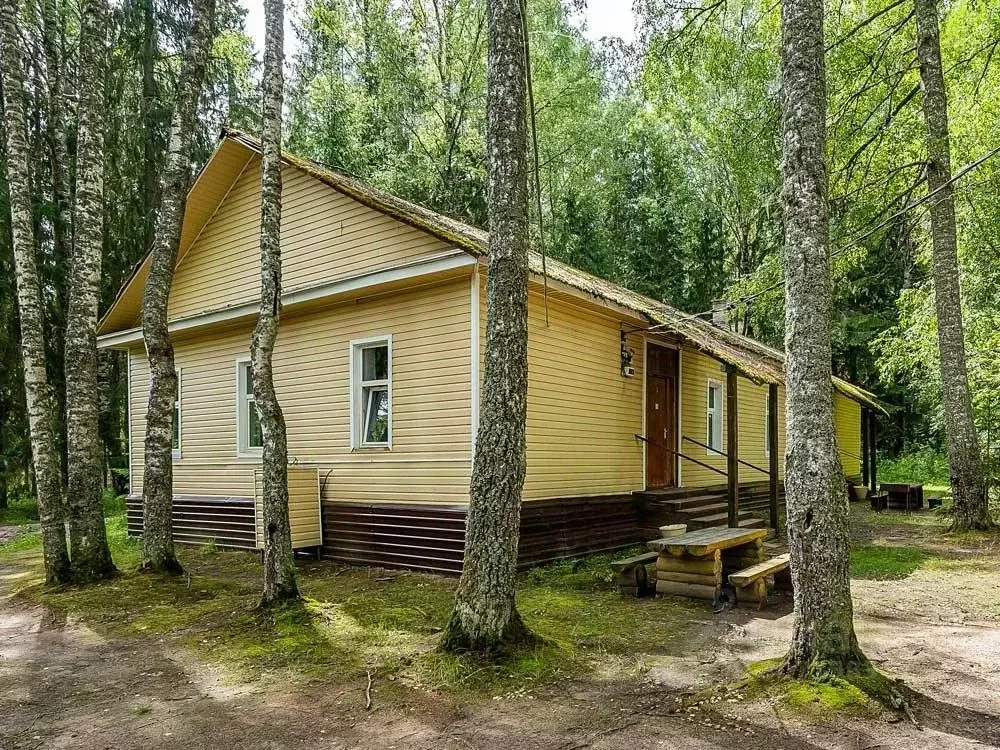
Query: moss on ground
x,y
357,619
863,694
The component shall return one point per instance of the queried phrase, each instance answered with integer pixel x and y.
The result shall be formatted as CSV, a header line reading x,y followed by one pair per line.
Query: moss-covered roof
x,y
756,361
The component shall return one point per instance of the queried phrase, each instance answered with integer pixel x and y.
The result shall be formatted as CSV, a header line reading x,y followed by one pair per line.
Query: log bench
x,y
756,576
632,577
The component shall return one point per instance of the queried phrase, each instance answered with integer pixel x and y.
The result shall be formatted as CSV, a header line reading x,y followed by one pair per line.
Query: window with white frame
x,y
177,418
713,437
250,438
371,393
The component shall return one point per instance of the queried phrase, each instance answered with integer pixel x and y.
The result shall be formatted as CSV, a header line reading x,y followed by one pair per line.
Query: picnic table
x,y
904,496
697,563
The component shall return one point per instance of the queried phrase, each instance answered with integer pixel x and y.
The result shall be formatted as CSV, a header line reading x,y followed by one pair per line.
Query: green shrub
x,y
924,466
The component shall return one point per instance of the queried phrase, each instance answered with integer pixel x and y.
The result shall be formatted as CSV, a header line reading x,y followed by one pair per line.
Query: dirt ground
x,y
64,685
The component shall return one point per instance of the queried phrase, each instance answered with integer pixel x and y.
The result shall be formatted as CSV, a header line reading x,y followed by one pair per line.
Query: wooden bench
x,y
632,577
755,576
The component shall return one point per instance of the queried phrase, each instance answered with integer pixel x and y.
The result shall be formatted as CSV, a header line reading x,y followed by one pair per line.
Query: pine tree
x,y
279,564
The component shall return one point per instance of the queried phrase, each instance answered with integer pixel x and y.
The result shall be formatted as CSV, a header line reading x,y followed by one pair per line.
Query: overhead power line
x,y
748,298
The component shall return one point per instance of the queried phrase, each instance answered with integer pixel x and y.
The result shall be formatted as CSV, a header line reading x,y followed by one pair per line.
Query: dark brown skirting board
x,y
432,537
204,519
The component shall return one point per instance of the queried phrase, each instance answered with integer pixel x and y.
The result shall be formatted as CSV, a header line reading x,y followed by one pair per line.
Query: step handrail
x,y
646,440
766,472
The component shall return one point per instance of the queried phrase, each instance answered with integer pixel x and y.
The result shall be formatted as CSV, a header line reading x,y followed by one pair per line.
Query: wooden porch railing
x,y
677,453
725,455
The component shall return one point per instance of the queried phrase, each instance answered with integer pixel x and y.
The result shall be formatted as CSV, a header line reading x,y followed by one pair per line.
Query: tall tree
x,y
89,553
279,563
823,640
965,464
158,478
43,418
485,617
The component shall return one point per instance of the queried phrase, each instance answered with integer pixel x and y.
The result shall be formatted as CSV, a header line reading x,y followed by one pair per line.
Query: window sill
x,y
176,455
251,454
382,448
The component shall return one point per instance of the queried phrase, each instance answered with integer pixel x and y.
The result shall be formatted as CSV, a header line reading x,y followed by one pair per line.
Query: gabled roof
x,y
756,361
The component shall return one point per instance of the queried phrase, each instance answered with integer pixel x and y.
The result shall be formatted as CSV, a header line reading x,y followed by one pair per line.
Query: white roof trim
x,y
425,266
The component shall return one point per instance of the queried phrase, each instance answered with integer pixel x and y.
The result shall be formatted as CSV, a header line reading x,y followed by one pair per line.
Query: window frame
x,y
177,452
356,390
243,447
715,414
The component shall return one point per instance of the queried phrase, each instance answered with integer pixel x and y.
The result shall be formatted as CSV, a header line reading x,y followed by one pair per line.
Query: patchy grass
x,y
881,563
356,619
20,512
22,542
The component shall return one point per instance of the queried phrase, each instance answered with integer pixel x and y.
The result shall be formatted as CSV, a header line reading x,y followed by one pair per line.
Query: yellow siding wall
x,y
431,401
303,507
696,371
847,416
324,236
582,414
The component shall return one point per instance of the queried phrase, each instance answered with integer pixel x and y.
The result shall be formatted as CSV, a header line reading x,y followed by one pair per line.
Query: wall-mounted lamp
x,y
627,353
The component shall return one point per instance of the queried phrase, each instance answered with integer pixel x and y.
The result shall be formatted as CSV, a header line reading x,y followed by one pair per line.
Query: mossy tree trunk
x,y
43,417
965,461
485,618
89,554
279,563
158,477
823,640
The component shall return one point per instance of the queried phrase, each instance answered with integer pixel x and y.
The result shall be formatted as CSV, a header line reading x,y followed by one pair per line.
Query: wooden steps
x,y
698,507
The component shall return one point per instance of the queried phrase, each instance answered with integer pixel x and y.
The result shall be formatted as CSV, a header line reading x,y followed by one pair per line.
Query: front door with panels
x,y
661,416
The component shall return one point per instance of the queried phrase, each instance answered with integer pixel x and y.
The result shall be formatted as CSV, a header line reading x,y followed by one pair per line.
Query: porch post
x,y
732,447
772,447
872,437
864,447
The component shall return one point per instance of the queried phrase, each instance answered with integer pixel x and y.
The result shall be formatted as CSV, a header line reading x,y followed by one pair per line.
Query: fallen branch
x,y
368,691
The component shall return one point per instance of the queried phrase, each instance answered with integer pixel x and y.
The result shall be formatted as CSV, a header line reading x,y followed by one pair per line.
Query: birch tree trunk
x,y
485,617
823,640
43,418
279,563
965,462
56,126
89,553
158,478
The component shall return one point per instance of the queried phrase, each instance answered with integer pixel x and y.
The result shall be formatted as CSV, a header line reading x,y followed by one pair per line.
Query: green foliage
x,y
921,466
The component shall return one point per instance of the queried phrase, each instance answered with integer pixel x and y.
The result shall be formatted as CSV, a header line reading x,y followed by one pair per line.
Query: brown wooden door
x,y
661,417
656,429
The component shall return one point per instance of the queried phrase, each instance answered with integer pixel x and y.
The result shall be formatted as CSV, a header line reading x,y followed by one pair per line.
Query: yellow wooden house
x,y
378,368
